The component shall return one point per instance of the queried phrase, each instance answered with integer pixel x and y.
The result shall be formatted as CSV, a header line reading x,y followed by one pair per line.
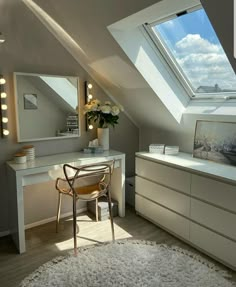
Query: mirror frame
x,y
19,139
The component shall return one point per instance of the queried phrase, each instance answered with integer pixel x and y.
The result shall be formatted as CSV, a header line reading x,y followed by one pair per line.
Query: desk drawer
x,y
162,216
213,244
163,195
213,217
213,191
171,177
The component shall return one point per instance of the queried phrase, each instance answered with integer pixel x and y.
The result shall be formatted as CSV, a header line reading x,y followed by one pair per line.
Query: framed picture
x,y
30,102
215,141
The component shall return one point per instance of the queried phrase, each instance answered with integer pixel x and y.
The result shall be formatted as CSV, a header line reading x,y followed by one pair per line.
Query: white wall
x,y
31,48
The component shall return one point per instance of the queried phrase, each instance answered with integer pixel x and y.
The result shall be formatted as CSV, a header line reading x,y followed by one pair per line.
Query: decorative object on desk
x,y
3,108
156,148
93,147
130,263
104,115
103,137
29,150
215,141
171,150
20,157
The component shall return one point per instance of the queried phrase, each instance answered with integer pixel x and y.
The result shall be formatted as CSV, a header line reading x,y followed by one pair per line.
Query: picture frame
x,y
215,141
30,102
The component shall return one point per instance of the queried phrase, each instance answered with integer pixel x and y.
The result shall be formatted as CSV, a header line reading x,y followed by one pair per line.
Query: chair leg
x,y
74,225
96,209
58,211
111,215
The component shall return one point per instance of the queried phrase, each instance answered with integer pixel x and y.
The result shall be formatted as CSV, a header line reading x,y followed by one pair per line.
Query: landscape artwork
x,y
215,141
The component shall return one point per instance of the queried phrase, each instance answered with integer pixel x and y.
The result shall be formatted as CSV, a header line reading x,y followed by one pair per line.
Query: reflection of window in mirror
x,y
47,106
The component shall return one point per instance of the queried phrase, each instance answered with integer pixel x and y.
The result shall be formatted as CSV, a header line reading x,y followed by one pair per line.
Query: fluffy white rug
x,y
129,263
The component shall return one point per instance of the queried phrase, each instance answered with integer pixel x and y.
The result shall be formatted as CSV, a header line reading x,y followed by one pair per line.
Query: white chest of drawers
x,y
191,198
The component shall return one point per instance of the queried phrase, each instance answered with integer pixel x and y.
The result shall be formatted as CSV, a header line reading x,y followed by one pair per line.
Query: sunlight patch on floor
x,y
86,236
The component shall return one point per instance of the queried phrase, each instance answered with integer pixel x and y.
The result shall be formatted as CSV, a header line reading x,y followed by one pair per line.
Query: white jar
x,y
19,158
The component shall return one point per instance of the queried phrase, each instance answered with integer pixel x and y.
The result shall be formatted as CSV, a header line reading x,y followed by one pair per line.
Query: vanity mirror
x,y
46,107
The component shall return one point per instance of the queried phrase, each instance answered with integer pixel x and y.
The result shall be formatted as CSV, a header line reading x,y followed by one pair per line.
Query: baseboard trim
x,y
47,220
44,221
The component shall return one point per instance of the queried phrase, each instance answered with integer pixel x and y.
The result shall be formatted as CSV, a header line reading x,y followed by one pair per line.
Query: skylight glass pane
x,y
194,46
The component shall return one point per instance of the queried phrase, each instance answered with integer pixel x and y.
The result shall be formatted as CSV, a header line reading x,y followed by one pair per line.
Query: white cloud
x,y
194,42
204,63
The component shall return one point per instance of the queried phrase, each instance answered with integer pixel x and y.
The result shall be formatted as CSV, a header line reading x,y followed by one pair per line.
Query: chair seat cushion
x,y
87,192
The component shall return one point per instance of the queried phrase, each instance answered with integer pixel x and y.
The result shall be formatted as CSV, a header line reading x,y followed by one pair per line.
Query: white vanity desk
x,y
43,169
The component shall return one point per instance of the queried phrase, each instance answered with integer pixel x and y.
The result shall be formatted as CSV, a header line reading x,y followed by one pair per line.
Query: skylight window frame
x,y
172,63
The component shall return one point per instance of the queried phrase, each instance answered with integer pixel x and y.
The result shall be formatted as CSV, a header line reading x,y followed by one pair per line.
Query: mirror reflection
x,y
47,107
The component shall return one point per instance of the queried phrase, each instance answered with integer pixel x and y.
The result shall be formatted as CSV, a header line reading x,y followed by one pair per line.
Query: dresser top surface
x,y
186,162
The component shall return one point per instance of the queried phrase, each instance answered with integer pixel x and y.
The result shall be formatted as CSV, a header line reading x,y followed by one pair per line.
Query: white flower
x,y
121,108
94,107
87,108
106,109
107,103
115,111
95,102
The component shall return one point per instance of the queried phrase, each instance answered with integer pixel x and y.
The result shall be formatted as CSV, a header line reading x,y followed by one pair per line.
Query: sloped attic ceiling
x,y
80,28
30,47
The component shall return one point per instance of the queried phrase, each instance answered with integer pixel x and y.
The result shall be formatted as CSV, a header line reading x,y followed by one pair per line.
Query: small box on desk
x,y
103,209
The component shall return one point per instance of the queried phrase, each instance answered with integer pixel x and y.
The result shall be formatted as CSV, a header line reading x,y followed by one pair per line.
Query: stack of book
x,y
171,150
156,148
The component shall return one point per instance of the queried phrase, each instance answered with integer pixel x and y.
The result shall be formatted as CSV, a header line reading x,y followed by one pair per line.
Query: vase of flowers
x,y
104,115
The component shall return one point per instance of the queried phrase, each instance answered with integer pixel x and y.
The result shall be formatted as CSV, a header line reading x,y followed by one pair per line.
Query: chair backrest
x,y
99,173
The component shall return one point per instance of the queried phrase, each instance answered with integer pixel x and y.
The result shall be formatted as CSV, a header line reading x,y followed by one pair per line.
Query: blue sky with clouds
x,y
192,40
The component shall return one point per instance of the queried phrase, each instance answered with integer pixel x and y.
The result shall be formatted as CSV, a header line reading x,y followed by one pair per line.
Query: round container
x,y
20,158
29,150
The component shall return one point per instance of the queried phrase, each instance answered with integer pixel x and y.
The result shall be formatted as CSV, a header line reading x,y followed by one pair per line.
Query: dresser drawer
x,y
163,195
168,176
215,218
162,216
213,191
214,244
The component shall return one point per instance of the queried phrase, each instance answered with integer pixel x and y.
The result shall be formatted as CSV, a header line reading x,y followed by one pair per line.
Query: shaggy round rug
x,y
129,263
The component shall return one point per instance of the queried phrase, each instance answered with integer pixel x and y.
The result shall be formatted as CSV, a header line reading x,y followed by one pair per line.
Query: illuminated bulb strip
x,y
6,132
90,127
3,95
5,120
90,86
2,81
90,96
4,107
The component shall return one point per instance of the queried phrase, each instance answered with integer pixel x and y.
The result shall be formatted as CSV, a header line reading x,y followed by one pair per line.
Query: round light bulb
x,y
3,95
4,107
5,120
2,81
90,86
6,132
90,127
90,96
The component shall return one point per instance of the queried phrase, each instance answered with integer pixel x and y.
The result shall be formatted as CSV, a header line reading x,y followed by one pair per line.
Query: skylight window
x,y
193,50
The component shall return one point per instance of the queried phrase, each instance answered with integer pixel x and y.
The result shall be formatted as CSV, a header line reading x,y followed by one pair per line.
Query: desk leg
x,y
16,215
118,187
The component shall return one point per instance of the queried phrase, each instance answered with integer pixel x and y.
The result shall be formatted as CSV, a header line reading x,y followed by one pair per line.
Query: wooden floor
x,y
43,243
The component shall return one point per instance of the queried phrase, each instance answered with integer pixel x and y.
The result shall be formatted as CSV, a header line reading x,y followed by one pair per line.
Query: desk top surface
x,y
58,159
186,162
